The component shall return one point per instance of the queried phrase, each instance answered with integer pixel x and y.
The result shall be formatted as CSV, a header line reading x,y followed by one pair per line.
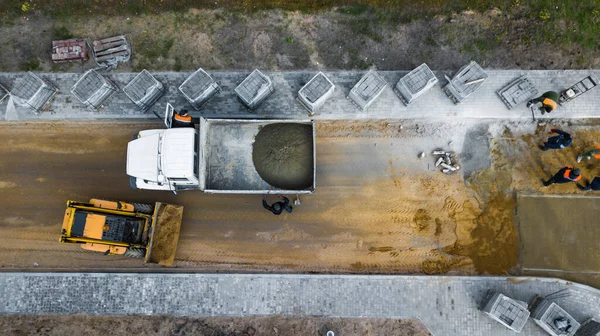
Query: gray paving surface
x,y
484,103
446,305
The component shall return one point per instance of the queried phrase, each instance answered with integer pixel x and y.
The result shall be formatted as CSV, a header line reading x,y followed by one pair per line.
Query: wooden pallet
x,y
111,50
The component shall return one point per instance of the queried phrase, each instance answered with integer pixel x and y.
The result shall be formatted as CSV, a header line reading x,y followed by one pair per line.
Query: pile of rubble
x,y
446,161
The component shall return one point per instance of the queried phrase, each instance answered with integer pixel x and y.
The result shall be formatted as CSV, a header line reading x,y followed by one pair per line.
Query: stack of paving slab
x,y
93,90
33,92
314,94
69,50
415,84
144,90
548,315
255,89
366,91
466,81
199,88
511,313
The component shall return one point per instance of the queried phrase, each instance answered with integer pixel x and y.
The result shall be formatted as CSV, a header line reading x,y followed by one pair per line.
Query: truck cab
x,y
164,159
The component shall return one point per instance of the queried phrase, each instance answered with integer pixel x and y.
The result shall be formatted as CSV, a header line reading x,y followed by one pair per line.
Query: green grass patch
x,y
61,33
177,66
31,65
354,10
153,48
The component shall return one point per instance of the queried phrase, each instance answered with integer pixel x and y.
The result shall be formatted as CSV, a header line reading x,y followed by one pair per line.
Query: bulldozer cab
x,y
107,227
130,229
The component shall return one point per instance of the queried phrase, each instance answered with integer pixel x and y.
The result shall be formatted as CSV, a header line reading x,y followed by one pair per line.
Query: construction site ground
x,y
378,208
208,326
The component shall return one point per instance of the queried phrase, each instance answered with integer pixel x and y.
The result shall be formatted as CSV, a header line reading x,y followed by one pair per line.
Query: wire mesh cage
x,y
199,88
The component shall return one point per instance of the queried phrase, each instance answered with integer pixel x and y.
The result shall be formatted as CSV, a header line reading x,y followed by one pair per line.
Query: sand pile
x,y
166,235
283,155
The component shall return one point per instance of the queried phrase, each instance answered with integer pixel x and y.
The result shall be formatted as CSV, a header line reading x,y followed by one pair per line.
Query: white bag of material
x,y
11,110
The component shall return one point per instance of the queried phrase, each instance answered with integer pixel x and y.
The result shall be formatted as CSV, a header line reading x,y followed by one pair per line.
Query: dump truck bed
x,y
165,234
225,162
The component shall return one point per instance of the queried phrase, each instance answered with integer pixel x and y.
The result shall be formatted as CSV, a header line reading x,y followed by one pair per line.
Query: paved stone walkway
x,y
446,305
484,103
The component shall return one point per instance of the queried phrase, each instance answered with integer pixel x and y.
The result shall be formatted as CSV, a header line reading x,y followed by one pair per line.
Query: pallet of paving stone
x,y
466,81
69,51
111,51
516,92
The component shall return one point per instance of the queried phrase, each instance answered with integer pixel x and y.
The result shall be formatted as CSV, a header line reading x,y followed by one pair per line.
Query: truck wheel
x,y
143,208
135,253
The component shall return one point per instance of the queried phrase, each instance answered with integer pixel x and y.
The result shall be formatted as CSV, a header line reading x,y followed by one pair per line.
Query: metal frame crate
x,y
511,313
33,92
199,88
366,91
314,93
3,93
466,81
415,83
144,90
93,90
545,314
255,89
516,92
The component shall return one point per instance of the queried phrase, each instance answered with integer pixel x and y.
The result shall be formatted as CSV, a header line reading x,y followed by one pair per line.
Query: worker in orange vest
x,y
549,101
182,119
565,175
592,153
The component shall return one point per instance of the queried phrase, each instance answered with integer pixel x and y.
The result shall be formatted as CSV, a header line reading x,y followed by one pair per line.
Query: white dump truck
x,y
217,157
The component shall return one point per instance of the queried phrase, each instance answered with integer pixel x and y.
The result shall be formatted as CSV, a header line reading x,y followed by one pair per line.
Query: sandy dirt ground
x,y
378,208
278,40
51,325
166,234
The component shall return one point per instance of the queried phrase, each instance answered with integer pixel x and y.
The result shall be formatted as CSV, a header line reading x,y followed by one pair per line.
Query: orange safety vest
x,y
180,118
549,102
567,175
597,156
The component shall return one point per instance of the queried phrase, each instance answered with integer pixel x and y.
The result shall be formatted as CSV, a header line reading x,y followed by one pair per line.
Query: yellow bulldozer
x,y
119,228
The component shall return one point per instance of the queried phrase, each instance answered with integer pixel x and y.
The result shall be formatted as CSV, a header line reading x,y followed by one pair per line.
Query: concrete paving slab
x,y
559,232
484,103
446,305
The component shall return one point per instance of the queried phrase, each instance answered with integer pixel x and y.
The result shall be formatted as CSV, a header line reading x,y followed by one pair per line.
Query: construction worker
x,y
562,140
278,207
594,185
182,119
565,175
592,153
549,101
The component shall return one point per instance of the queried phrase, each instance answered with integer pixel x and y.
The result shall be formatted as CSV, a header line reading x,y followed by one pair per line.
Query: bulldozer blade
x,y
165,234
